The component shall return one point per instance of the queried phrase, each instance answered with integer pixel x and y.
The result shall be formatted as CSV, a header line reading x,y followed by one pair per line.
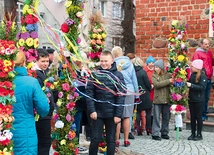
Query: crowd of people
x,y
124,75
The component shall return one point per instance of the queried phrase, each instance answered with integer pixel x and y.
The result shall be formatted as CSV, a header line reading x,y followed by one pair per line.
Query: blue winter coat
x,y
127,69
29,95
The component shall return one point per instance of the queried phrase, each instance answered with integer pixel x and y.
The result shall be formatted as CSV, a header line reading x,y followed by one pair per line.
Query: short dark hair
x,y
50,50
42,53
107,53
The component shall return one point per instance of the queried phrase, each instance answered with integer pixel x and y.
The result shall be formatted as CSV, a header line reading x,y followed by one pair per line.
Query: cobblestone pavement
x,y
144,145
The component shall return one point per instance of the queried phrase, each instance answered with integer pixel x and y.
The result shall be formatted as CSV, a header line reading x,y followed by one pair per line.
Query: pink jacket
x,y
207,58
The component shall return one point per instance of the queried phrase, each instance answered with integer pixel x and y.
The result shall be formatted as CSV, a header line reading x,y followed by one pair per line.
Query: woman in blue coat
x,y
29,96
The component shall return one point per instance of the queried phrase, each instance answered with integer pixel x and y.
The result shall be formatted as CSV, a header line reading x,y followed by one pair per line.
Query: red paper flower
x,y
64,28
29,19
5,142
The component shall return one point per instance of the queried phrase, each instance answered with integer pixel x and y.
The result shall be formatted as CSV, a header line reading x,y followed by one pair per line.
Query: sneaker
x,y
165,136
198,137
156,138
191,137
82,150
131,136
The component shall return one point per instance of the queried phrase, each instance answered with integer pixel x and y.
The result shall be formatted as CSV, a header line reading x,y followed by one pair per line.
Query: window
x,y
19,12
117,11
103,8
116,41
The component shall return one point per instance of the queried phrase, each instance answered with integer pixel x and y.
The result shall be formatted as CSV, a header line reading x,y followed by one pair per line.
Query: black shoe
x,y
198,137
191,137
165,136
180,129
131,136
156,138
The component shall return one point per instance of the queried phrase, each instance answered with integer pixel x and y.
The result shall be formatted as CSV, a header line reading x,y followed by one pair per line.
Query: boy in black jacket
x,y
103,113
43,125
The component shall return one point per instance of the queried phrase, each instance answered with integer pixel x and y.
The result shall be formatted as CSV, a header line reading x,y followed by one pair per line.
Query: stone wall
x,y
152,26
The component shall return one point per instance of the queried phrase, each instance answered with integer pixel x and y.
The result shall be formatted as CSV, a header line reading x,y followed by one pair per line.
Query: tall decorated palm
x,y
180,70
8,30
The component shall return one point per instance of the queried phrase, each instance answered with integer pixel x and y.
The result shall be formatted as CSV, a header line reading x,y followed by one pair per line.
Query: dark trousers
x,y
196,109
148,118
97,132
43,128
77,121
207,97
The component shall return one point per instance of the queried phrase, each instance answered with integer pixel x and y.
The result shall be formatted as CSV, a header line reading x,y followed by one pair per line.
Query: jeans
x,y
43,128
77,121
207,97
97,132
196,109
160,109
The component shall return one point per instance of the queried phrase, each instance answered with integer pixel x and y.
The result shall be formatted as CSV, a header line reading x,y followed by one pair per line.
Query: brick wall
x,y
152,25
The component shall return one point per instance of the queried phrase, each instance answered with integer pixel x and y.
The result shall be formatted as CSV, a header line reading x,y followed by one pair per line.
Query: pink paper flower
x,y
70,106
66,87
76,94
56,117
60,94
68,117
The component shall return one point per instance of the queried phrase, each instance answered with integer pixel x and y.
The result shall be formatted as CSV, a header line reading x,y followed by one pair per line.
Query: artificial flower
x,y
36,42
68,3
183,72
63,142
59,124
79,14
94,35
99,36
21,42
30,11
64,28
181,58
30,42
103,35
23,29
71,135
25,8
66,87
68,117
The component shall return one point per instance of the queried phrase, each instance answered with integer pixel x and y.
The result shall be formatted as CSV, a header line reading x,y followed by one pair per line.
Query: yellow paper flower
x,y
30,65
94,35
104,35
68,3
30,42
181,58
24,29
52,86
99,36
55,83
183,72
11,74
36,43
21,42
59,103
7,63
30,11
25,8
17,45
175,22
13,26
63,142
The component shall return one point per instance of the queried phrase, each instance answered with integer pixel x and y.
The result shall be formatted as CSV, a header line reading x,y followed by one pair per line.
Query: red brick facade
x,y
152,23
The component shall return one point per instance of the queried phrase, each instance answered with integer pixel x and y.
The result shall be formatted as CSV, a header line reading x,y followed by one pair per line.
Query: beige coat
x,y
161,88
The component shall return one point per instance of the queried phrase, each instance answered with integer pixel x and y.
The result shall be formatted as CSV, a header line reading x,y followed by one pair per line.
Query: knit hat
x,y
198,64
159,63
150,59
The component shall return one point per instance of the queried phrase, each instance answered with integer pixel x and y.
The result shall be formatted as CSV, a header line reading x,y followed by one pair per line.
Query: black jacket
x,y
41,77
143,82
104,109
197,90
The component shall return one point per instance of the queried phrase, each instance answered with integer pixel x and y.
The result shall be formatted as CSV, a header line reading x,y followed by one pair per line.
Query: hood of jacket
x,y
137,68
123,62
21,71
200,49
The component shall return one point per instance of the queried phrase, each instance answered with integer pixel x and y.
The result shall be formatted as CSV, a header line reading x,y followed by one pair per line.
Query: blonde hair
x,y
117,51
137,61
20,58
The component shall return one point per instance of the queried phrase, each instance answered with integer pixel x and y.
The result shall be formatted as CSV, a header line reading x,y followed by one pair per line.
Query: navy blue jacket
x,y
104,109
197,90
